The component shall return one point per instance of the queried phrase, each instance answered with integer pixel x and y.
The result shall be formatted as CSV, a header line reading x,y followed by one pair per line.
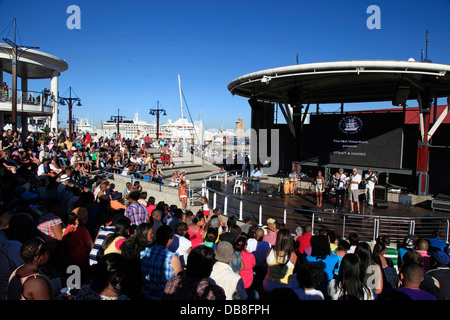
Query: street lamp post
x,y
69,100
117,118
157,112
16,50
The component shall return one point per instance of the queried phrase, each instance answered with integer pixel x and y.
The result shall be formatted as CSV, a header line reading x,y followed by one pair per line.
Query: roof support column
x,y
54,100
423,145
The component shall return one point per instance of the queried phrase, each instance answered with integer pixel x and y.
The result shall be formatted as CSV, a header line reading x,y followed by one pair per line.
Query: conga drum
x,y
286,186
292,184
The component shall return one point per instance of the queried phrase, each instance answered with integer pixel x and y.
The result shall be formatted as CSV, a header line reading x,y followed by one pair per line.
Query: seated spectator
x,y
194,284
224,276
321,254
26,282
309,277
159,264
439,270
349,284
181,244
281,260
411,275
106,278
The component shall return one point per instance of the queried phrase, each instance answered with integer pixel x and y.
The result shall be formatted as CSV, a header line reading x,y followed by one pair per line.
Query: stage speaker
x,y
382,205
380,193
213,184
401,96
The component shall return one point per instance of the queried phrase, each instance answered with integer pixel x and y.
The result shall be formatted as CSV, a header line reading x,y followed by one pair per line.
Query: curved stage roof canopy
x,y
344,82
32,64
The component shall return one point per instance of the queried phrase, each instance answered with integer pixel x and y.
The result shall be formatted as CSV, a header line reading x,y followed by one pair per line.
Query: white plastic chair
x,y
238,184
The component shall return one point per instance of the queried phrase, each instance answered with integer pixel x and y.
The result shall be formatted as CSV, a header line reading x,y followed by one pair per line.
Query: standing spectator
x,y
136,212
281,260
159,264
349,284
194,284
26,282
223,275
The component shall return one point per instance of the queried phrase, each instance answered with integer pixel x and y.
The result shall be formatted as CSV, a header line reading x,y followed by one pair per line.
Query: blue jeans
x,y
255,186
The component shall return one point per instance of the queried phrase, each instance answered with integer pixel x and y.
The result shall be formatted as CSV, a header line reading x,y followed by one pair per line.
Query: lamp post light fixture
x,y
156,112
70,100
117,118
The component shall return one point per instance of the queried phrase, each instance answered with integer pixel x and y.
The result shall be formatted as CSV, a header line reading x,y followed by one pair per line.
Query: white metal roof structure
x,y
32,64
343,81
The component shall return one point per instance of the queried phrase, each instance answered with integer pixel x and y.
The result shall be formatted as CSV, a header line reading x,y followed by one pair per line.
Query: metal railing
x,y
369,227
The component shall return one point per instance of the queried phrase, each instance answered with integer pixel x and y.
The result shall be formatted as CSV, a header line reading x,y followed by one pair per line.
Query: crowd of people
x,y
128,246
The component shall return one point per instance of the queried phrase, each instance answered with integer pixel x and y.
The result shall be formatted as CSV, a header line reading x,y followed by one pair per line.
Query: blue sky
x,y
128,54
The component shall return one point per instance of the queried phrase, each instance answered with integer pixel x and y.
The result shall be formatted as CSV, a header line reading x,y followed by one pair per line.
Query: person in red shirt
x,y
303,243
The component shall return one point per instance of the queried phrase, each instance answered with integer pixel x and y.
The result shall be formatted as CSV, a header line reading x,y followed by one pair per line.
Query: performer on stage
x,y
255,175
293,182
371,179
355,180
320,188
340,187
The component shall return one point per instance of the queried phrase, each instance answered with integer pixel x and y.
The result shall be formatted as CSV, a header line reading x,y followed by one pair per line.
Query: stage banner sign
x,y
359,139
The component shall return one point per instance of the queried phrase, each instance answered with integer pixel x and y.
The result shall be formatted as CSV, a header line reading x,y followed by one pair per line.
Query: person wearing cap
x,y
271,235
116,196
223,274
440,261
135,211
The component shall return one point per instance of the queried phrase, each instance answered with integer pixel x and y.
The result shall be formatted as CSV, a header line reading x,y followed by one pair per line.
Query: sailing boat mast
x,y
181,100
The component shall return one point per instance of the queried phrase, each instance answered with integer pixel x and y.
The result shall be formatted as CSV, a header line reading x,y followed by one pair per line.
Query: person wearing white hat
x,y
223,275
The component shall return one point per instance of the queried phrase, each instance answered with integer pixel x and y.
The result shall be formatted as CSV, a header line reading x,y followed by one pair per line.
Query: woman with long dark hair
x,y
349,283
196,230
281,260
373,276
114,241
390,276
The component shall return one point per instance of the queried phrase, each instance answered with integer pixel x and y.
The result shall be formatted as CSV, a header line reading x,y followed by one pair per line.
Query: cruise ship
x,y
131,129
